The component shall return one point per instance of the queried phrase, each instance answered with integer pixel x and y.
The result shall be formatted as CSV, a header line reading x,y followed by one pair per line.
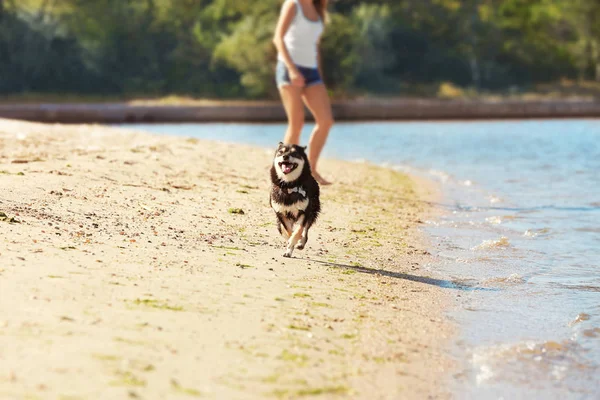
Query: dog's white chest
x,y
293,209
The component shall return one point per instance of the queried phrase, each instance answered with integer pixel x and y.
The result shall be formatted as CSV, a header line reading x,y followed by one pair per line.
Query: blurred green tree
x,y
222,48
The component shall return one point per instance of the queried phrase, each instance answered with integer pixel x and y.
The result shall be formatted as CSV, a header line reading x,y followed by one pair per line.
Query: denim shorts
x,y
311,75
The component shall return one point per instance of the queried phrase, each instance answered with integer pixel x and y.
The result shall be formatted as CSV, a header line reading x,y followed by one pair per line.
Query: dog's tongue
x,y
287,168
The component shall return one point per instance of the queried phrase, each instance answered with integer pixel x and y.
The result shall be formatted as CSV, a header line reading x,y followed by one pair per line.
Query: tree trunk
x,y
475,72
472,32
589,59
596,61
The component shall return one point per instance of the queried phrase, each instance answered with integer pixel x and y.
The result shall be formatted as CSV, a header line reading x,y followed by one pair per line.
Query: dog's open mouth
x,y
287,167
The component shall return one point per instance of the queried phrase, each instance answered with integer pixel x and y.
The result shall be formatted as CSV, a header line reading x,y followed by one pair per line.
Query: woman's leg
x,y
317,100
291,96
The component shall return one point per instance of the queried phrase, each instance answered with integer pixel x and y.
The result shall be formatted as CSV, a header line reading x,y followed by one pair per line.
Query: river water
x,y
520,240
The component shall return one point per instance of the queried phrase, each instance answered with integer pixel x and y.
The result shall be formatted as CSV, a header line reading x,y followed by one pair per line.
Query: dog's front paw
x,y
300,247
287,254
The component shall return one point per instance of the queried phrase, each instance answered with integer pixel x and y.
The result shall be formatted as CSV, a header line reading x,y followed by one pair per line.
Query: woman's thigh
x,y
291,96
317,100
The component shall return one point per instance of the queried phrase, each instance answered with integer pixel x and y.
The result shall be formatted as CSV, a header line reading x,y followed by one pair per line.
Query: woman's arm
x,y
288,12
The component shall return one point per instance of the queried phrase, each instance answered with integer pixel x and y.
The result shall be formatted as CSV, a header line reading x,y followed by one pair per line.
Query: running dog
x,y
294,195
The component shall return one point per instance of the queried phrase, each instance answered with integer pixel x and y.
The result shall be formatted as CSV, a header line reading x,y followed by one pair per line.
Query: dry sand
x,y
125,273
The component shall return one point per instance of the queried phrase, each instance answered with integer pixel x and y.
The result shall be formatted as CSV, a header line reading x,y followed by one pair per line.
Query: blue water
x,y
520,235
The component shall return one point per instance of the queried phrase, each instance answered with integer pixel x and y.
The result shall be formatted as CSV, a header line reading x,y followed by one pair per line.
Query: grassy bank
x,y
563,90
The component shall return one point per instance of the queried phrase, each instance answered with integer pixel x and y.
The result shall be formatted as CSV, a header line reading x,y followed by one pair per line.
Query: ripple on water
x,y
533,233
588,229
494,220
481,259
464,283
580,318
495,199
503,242
511,280
592,333
585,288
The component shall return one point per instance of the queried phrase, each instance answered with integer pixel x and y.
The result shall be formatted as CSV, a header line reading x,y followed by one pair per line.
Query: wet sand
x,y
140,266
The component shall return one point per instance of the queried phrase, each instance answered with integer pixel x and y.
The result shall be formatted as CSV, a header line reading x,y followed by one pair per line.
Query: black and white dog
x,y
294,195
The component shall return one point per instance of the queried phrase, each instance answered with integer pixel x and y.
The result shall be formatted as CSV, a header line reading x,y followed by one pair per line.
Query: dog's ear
x,y
280,144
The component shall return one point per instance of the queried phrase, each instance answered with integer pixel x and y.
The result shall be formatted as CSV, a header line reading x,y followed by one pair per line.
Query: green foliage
x,y
338,55
249,49
223,48
35,54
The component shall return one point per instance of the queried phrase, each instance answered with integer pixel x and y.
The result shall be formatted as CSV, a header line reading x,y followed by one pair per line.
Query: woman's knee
x,y
325,123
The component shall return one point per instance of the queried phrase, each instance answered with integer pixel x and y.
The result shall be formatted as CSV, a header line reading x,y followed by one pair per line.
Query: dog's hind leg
x,y
296,235
304,239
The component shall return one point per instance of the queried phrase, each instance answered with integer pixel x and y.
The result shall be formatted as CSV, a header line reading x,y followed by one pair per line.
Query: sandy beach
x,y
148,267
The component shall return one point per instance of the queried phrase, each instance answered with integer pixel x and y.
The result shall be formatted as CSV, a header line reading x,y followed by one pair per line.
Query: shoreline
x,y
265,111
127,262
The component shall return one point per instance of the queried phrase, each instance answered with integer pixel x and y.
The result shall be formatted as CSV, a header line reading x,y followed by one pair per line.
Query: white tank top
x,y
302,38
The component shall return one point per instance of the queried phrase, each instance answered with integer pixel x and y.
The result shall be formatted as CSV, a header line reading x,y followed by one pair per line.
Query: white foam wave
x,y
536,359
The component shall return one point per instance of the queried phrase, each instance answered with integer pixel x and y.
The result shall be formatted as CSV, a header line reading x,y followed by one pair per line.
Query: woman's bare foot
x,y
320,179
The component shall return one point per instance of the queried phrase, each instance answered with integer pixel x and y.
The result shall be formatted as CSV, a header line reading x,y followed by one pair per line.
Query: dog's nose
x,y
286,157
